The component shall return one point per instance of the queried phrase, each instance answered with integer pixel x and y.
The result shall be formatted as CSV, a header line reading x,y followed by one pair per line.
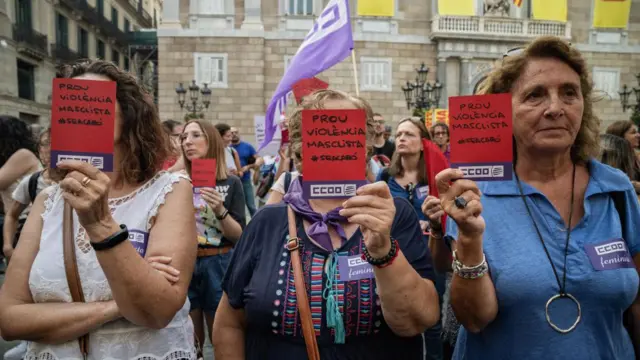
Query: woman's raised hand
x,y
460,199
86,189
374,210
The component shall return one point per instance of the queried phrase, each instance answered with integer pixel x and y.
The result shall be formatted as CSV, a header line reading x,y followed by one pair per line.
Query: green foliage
x,y
419,113
191,116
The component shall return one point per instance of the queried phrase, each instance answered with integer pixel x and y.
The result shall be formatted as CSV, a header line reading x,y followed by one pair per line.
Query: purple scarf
x,y
319,230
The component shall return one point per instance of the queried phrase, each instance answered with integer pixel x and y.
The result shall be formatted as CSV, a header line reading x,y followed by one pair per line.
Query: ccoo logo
x,y
482,171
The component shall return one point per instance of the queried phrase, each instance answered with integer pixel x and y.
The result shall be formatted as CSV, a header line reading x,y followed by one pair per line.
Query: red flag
x,y
434,162
305,87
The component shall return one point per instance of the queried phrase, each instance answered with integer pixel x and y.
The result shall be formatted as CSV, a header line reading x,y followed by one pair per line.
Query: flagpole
x,y
355,71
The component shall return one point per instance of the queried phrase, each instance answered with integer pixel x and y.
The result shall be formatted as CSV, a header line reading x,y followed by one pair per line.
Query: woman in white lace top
x,y
135,290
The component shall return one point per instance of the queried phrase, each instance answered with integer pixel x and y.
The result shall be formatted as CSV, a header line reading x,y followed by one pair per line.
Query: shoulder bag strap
x,y
71,268
293,245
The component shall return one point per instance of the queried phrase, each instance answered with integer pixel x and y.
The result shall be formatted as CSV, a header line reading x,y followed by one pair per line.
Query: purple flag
x,y
328,43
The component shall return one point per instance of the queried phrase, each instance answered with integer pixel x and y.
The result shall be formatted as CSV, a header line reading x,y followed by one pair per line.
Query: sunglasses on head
x,y
516,51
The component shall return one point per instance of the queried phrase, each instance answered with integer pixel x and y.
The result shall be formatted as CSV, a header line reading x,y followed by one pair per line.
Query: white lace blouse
x,y
120,339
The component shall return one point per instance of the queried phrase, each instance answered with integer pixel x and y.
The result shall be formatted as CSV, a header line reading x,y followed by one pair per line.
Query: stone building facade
x,y
35,35
241,48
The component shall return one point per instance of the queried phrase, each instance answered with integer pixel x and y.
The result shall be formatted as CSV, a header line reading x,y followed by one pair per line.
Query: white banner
x,y
274,145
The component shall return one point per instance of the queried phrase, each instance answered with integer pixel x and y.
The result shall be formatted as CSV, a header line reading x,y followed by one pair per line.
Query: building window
x,y
211,7
23,13
30,119
62,30
83,42
299,7
100,7
114,16
100,52
155,18
26,81
376,74
126,63
127,25
115,57
607,81
211,69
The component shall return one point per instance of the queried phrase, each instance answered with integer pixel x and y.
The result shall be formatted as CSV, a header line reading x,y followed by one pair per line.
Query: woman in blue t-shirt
x,y
407,176
545,264
407,179
367,272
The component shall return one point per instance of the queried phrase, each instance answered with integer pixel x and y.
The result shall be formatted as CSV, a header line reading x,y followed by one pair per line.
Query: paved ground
x,y
4,346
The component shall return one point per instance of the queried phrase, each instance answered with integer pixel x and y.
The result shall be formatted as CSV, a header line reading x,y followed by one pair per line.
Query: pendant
x,y
554,326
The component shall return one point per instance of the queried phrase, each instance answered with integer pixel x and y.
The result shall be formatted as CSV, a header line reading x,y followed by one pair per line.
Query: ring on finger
x,y
460,202
85,181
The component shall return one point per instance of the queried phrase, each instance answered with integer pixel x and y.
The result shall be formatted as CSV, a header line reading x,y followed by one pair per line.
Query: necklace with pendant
x,y
562,293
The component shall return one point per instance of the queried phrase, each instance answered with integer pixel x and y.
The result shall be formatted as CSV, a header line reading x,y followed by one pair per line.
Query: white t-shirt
x,y
229,159
21,193
278,186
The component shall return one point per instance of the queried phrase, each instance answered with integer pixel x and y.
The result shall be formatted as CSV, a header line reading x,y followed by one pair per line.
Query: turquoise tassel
x,y
334,316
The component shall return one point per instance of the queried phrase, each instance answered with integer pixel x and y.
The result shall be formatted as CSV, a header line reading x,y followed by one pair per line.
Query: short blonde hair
x,y
317,100
502,79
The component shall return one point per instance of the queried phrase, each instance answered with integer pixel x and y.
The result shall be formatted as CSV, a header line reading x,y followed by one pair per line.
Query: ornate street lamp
x,y
421,94
195,91
624,96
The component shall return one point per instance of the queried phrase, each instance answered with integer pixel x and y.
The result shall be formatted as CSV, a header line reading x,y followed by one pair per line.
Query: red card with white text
x,y
83,121
203,173
333,153
481,138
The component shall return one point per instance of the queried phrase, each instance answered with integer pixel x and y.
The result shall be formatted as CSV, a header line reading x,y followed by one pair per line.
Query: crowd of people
x,y
133,264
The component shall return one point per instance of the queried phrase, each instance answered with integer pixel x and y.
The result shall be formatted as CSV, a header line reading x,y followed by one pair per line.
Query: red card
x,y
285,137
83,121
305,87
481,129
203,173
333,152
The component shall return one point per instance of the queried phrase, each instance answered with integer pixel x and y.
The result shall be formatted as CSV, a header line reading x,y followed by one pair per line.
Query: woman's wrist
x,y
102,230
469,249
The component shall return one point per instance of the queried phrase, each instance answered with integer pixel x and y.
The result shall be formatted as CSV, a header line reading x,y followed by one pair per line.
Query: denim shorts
x,y
205,289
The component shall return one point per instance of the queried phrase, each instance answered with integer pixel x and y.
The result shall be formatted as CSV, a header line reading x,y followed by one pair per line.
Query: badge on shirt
x,y
423,191
354,268
609,255
139,240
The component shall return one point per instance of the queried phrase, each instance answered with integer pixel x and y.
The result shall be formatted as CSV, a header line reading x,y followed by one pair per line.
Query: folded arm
x,y
144,296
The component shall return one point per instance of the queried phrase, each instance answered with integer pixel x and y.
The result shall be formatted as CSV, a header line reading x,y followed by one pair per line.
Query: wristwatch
x,y
113,240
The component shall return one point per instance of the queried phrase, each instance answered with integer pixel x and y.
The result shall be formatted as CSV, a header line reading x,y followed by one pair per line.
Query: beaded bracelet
x,y
385,260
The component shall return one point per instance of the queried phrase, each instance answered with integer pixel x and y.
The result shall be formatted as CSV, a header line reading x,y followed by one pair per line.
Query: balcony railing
x,y
446,26
30,41
62,54
135,7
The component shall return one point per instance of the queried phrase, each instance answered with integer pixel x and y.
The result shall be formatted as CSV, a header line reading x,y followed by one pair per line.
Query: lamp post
x,y
624,96
421,94
192,105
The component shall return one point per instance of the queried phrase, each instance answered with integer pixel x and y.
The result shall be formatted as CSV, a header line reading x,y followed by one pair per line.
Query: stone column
x,y
442,77
171,15
252,15
464,76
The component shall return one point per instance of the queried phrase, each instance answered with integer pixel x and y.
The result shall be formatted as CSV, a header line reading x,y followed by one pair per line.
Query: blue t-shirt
x,y
604,281
245,152
415,196
260,280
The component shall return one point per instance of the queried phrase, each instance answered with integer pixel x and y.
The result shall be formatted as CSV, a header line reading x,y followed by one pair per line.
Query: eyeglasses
x,y
440,134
